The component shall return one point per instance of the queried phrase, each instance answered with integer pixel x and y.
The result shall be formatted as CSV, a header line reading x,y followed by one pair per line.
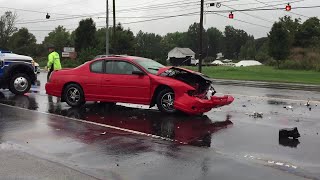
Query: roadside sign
x,y
65,54
68,49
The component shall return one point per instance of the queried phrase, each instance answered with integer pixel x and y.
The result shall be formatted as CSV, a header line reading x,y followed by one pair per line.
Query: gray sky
x,y
133,10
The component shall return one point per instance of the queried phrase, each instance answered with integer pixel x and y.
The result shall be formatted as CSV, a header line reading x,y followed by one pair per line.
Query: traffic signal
x,y
288,7
231,15
47,16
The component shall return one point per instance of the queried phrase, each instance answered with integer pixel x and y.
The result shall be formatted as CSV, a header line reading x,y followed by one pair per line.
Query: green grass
x,y
261,73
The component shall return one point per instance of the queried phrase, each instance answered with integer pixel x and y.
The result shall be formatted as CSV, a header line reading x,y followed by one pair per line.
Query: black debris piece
x,y
289,133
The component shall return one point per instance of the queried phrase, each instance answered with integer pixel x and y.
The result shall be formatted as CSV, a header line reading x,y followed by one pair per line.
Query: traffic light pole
x,y
114,23
200,36
107,28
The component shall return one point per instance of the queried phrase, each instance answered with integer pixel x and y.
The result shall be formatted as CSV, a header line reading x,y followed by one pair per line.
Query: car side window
x,y
120,67
97,67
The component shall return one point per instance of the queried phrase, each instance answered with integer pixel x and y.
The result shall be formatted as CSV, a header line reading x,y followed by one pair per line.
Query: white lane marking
x,y
264,97
98,124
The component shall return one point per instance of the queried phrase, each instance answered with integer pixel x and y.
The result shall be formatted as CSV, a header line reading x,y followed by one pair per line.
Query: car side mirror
x,y
139,73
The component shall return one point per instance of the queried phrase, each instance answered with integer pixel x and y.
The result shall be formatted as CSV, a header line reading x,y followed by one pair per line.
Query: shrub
x,y
304,59
87,54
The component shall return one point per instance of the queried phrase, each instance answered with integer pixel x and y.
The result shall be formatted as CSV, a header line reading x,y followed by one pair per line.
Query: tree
x,y
123,44
291,26
248,50
23,42
7,28
263,52
308,34
60,37
172,40
149,45
215,40
279,42
193,39
233,40
85,35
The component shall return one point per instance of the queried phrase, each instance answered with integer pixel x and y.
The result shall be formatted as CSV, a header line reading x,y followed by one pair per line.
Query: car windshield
x,y
150,65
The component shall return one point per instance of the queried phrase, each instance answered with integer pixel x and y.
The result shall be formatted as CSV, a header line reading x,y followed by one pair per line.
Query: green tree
x,y
193,39
308,34
7,28
85,35
60,37
23,42
233,40
292,27
279,42
263,52
215,40
124,43
148,45
172,40
248,50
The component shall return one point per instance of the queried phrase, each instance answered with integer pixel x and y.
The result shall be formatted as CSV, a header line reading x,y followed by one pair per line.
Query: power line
x,y
242,21
264,9
254,16
289,11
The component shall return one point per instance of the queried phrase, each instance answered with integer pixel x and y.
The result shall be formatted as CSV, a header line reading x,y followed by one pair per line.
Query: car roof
x,y
122,57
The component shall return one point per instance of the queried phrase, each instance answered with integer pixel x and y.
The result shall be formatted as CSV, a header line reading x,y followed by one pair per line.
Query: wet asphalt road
x,y
99,141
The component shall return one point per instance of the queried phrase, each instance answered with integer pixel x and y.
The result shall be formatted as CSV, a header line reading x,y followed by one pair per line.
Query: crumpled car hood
x,y
162,70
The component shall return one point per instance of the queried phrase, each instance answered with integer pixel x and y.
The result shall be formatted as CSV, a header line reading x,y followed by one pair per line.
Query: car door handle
x,y
107,80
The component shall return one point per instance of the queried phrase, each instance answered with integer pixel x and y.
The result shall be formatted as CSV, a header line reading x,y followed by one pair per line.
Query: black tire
x,y
163,106
20,84
73,95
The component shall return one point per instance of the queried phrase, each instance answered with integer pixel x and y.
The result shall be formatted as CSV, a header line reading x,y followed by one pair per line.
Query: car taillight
x,y
33,63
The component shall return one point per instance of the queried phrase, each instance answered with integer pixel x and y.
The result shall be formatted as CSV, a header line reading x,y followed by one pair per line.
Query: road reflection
x,y
23,101
181,128
192,130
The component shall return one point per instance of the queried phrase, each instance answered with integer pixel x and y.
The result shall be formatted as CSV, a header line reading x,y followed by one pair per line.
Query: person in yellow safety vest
x,y
53,61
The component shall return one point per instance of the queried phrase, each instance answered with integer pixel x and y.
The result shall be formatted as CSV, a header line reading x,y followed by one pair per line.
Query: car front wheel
x,y
74,95
165,101
20,84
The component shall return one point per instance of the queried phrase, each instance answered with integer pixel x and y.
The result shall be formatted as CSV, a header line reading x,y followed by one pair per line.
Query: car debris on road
x,y
288,107
256,115
289,133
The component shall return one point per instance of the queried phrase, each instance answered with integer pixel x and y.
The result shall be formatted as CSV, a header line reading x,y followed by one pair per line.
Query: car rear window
x,y
97,67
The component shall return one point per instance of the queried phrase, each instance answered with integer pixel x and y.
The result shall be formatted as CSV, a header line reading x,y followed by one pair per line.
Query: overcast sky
x,y
31,14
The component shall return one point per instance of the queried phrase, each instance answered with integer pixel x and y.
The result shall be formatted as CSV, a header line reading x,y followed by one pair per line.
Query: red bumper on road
x,y
193,105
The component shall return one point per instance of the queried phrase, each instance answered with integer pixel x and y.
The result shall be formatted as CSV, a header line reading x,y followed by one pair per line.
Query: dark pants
x,y
49,73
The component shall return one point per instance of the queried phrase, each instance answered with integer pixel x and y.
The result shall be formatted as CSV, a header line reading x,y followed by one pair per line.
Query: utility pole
x,y
107,28
114,24
200,34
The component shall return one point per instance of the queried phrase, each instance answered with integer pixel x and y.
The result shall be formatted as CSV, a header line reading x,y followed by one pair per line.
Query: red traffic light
x,y
231,16
288,7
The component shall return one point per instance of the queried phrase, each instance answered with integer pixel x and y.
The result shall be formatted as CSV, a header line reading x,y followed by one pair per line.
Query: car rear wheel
x,y
20,84
74,95
165,101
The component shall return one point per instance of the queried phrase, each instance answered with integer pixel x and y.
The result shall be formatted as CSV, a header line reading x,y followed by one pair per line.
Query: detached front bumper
x,y
194,105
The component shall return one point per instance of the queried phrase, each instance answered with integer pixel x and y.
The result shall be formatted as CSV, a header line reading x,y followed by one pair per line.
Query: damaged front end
x,y
202,98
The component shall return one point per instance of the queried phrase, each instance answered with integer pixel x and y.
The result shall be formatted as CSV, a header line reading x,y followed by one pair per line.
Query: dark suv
x,y
17,72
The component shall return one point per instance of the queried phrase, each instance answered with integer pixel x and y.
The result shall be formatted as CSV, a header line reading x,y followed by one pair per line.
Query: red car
x,y
136,80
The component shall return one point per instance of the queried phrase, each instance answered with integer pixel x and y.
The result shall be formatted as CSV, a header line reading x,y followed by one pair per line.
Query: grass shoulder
x,y
261,73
